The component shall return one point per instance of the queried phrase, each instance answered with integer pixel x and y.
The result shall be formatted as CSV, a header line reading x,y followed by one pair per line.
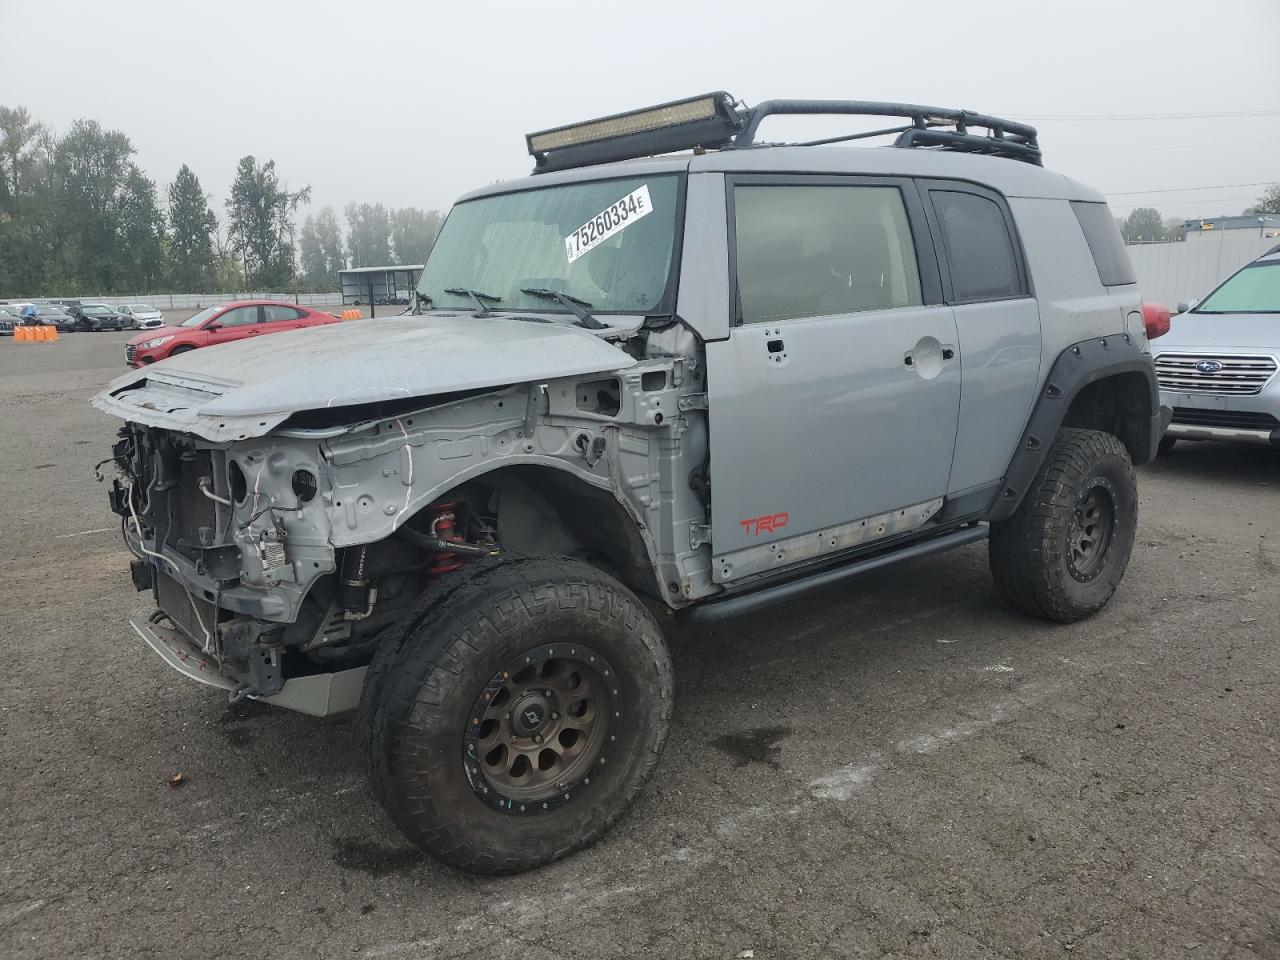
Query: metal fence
x,y
196,301
1173,273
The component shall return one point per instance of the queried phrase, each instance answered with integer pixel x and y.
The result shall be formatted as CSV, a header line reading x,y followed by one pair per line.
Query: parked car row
x,y
69,315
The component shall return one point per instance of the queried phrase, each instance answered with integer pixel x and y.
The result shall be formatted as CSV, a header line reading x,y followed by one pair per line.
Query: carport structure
x,y
379,285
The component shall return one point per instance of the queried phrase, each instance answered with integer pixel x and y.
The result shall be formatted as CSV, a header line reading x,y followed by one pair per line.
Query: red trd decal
x,y
769,523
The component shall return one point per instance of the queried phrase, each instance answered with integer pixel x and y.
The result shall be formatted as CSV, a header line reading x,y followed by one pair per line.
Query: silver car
x,y
1217,366
141,316
702,383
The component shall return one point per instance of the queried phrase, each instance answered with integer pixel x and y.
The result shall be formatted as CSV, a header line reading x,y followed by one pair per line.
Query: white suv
x,y
1217,367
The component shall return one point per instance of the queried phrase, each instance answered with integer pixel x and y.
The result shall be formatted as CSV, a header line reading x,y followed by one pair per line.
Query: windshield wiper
x,y
477,295
574,304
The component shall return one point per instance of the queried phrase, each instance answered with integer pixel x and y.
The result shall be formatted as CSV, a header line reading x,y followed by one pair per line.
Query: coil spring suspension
x,y
444,519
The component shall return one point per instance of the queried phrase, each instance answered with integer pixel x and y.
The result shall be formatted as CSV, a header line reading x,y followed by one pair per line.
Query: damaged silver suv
x,y
700,383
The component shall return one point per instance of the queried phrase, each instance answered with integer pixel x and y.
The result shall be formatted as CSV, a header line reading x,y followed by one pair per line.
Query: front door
x,y
235,324
834,401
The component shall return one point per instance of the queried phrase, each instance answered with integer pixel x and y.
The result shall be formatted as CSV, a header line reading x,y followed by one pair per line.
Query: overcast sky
x,y
413,103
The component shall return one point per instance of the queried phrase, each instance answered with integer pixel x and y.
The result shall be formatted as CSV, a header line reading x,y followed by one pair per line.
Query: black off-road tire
x,y
1031,553
428,687
371,692
1166,444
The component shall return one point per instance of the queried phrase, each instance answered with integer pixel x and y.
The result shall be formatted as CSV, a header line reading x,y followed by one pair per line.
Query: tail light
x,y
1155,318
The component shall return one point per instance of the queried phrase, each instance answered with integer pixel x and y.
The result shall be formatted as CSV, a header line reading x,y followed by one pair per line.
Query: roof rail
x,y
715,121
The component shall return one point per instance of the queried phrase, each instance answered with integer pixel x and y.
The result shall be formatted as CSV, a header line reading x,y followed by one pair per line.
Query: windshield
x,y
142,308
201,317
1255,289
607,243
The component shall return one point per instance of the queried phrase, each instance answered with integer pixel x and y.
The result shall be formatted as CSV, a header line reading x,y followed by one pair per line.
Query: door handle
x,y
775,346
927,357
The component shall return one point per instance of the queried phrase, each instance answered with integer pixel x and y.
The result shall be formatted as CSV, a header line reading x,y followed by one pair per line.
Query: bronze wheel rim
x,y
1093,524
542,729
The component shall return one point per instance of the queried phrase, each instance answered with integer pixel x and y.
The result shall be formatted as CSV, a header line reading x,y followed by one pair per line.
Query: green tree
x,y
19,136
192,225
92,168
28,227
369,235
1143,223
1269,202
321,250
260,215
413,233
141,229
228,274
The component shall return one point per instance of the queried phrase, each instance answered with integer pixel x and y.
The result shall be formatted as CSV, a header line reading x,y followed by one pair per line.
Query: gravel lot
x,y
898,768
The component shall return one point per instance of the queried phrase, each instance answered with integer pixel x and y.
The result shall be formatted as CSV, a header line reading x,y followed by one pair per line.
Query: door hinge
x,y
699,533
692,401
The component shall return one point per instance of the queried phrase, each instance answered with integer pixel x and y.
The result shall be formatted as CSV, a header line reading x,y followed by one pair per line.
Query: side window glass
x,y
239,317
276,313
816,250
979,248
1105,243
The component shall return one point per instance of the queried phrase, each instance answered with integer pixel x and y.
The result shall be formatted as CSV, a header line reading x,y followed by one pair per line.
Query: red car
x,y
221,324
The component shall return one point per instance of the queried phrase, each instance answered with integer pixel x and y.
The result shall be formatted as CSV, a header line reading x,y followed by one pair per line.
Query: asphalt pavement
x,y
899,767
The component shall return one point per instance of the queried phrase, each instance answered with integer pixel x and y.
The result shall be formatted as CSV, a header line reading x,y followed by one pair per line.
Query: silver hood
x,y
1221,333
248,387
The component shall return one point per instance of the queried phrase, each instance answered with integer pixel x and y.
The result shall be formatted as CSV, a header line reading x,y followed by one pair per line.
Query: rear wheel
x,y
1065,549
519,716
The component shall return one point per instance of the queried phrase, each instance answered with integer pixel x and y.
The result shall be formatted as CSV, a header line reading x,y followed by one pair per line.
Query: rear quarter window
x,y
1105,243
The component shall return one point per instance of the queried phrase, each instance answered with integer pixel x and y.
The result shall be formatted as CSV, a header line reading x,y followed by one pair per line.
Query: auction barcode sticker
x,y
607,222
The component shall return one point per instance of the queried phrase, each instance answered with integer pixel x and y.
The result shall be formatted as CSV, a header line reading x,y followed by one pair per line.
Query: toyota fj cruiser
x,y
701,382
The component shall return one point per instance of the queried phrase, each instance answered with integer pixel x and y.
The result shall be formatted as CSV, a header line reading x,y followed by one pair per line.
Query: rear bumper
x,y
319,695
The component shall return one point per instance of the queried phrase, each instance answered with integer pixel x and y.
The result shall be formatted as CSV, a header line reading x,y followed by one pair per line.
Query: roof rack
x,y
716,121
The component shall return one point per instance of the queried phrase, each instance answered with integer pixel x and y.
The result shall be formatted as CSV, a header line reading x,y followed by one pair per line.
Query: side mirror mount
x,y
1183,307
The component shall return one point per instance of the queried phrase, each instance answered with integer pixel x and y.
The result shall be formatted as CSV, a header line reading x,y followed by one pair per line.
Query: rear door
x,y
834,400
986,281
279,316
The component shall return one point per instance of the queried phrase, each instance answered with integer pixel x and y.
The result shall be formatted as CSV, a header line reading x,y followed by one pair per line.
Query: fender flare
x,y
1078,366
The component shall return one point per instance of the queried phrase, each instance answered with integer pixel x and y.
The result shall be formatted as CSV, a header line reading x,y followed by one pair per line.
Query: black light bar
x,y
709,121
712,121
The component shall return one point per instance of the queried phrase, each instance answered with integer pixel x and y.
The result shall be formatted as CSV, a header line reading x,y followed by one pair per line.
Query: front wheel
x,y
517,717
1065,549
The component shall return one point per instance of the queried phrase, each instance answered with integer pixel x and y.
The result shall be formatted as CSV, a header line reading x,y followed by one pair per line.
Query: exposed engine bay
x,y
249,547
292,547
